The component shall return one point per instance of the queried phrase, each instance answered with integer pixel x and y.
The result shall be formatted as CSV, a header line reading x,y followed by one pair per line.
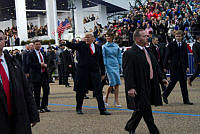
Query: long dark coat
x,y
24,110
178,60
90,67
51,58
162,50
67,59
137,76
196,54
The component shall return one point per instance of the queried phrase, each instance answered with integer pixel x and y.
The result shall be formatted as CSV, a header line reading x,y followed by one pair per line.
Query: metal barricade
x,y
191,65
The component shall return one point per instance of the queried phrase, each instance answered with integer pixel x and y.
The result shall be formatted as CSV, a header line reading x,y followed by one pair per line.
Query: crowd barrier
x,y
191,65
190,60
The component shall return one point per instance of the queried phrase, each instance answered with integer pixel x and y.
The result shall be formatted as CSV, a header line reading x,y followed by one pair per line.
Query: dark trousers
x,y
163,87
196,73
98,94
66,75
12,124
182,78
50,71
37,91
61,73
148,118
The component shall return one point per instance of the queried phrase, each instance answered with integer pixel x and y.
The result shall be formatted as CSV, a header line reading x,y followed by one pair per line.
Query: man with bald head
x,y
90,72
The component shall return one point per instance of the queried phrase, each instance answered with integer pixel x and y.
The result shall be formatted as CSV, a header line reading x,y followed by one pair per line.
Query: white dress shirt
x,y
142,48
3,62
38,55
93,48
179,44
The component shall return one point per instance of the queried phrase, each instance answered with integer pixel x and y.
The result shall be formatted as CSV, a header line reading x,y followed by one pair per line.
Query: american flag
x,y
62,26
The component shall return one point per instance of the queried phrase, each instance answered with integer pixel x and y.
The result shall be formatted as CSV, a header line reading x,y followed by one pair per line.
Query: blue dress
x,y
112,61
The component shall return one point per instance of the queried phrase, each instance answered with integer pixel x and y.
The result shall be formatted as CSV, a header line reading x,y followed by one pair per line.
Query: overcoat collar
x,y
11,69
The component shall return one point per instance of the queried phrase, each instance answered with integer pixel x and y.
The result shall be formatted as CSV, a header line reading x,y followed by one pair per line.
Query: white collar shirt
x,y
179,43
5,66
142,48
92,47
38,55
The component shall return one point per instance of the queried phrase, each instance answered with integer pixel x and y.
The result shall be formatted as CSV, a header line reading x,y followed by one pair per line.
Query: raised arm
x,y
74,46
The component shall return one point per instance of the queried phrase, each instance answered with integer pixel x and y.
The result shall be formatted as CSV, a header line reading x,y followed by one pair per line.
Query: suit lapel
x,y
96,49
3,96
11,69
89,51
138,50
87,47
35,55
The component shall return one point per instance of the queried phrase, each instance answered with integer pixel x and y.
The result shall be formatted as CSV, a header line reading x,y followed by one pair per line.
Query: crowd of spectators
x,y
36,31
89,19
11,36
33,31
160,18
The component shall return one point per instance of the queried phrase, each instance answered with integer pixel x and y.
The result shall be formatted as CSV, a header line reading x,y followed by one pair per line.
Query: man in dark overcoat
x,y
69,66
51,63
196,54
25,59
141,74
60,64
158,51
18,110
90,72
176,56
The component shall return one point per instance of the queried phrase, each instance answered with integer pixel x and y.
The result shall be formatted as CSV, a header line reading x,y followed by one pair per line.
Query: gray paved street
x,y
174,118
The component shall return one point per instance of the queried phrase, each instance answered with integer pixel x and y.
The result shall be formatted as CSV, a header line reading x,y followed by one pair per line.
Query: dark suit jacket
x,y
90,67
177,58
35,67
25,61
137,76
162,49
51,60
196,53
24,110
67,59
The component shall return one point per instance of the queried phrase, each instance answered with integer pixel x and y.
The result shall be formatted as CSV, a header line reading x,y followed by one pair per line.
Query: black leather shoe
x,y
165,99
46,109
67,85
79,112
188,103
132,132
86,97
41,111
105,113
189,82
112,91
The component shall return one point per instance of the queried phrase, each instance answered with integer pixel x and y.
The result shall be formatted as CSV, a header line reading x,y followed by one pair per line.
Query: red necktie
x,y
157,49
43,69
6,86
150,64
91,50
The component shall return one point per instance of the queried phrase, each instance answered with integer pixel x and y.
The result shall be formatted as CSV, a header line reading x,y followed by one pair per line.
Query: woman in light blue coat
x,y
112,61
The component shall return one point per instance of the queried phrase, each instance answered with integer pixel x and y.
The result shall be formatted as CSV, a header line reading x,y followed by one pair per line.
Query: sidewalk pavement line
x,y
158,112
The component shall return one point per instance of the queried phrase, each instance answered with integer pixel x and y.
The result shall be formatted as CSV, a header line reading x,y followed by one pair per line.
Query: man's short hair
x,y
89,33
36,41
179,32
137,33
154,37
1,31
